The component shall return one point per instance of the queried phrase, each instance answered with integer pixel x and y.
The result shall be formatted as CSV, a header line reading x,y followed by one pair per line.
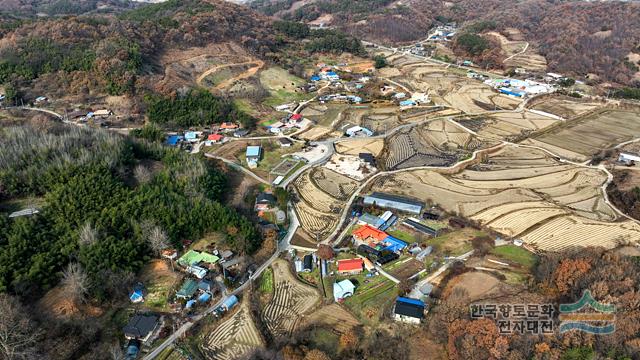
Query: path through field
x,y
258,64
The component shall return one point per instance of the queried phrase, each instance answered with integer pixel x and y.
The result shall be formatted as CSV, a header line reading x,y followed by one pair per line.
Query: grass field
x,y
372,299
158,280
266,281
402,235
516,254
281,86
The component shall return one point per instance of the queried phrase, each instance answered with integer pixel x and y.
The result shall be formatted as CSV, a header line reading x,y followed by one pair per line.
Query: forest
x,y
194,108
96,191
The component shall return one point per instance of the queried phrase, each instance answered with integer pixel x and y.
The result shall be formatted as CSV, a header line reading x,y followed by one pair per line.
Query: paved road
x,y
415,291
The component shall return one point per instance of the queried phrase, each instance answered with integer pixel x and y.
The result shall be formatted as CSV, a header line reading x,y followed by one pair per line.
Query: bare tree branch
x,y
75,282
18,335
88,235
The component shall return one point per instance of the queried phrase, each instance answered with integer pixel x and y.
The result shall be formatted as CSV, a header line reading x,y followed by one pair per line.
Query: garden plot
x,y
362,145
291,300
325,115
564,107
436,143
540,200
234,338
508,126
317,211
314,133
284,167
582,138
334,184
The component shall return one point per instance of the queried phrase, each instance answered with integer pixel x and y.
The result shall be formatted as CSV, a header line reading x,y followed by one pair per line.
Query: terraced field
x,y
334,316
361,145
234,338
508,126
436,143
524,193
587,136
317,210
336,185
564,107
290,301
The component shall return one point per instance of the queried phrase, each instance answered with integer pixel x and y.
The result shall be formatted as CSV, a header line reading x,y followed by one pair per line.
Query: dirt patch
x,y
56,303
476,285
334,316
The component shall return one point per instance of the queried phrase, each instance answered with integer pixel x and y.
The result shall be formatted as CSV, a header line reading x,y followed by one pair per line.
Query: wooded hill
x,y
576,37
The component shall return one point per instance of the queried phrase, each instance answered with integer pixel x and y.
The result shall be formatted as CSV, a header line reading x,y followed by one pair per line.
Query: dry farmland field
x,y
436,143
508,126
524,193
233,338
357,146
317,210
334,316
567,108
336,185
586,136
290,301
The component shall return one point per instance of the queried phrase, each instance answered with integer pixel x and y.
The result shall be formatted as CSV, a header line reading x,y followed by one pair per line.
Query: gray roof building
x,y
395,202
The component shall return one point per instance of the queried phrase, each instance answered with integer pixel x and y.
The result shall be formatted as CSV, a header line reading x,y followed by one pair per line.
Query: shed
x,y
136,296
205,285
285,142
215,138
204,297
368,219
628,158
253,155
197,271
307,263
343,289
229,302
368,158
414,224
298,265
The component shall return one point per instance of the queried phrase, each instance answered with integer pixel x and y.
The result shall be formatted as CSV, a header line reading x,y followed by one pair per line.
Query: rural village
x,y
376,179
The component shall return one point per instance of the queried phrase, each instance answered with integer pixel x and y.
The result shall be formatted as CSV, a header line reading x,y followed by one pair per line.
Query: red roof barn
x,y
350,266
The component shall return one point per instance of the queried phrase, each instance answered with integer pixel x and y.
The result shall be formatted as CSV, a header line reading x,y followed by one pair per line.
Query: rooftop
x,y
350,264
395,198
367,231
253,150
194,257
140,326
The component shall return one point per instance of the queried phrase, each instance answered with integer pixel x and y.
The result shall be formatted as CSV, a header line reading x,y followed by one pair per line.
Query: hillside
x,y
576,37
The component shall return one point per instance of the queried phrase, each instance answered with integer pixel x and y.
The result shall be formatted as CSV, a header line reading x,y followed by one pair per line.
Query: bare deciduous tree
x,y
75,282
116,353
155,236
18,336
88,235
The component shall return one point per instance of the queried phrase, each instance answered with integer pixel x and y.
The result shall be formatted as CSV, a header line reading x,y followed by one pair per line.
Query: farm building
x,y
408,310
342,290
229,302
366,251
350,266
368,219
368,264
188,289
386,258
264,201
298,265
170,254
226,126
628,159
205,285
197,271
102,113
358,131
284,142
414,224
307,263
394,202
136,296
294,118
512,92
240,133
393,244
193,257
424,253
192,136
215,138
278,180
140,327
366,232
253,155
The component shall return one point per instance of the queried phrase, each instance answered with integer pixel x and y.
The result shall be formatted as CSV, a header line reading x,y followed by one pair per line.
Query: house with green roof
x,y
188,289
193,257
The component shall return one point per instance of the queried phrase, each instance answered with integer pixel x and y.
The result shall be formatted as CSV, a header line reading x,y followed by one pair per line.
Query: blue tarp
x,y
394,244
173,140
190,304
315,78
204,297
253,151
410,301
331,73
136,296
407,103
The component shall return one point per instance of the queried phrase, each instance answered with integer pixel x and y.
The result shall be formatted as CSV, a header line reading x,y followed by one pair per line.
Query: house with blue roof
x,y
174,140
393,244
368,219
342,290
253,155
408,310
315,78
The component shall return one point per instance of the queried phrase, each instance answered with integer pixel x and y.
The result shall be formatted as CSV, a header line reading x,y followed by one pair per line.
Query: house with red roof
x,y
368,233
215,138
295,118
350,266
228,126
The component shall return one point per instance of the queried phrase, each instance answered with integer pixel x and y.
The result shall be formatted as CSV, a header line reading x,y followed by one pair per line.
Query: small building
x,y
294,118
264,201
192,136
205,285
393,244
197,271
366,251
350,266
170,254
386,257
188,289
215,138
193,257
140,327
228,126
358,131
342,290
368,158
368,264
136,296
408,310
424,253
628,158
204,297
240,133
278,180
229,303
372,220
307,263
298,265
315,78
285,142
253,155
226,254
41,99
389,201
102,113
